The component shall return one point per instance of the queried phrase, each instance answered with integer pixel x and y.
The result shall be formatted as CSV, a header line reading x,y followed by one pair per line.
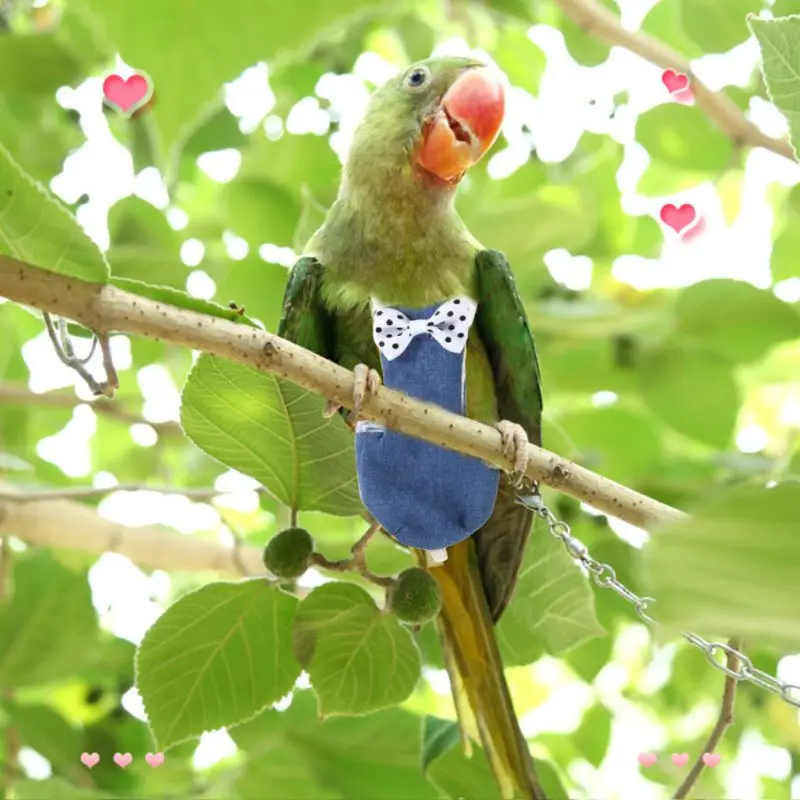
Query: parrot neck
x,y
393,235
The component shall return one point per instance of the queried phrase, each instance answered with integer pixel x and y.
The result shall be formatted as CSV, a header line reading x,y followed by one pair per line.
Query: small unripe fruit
x,y
288,554
415,597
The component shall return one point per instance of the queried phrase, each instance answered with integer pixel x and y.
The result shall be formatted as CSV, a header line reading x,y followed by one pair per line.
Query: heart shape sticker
x,y
674,81
89,759
122,759
154,759
679,219
647,759
679,759
127,96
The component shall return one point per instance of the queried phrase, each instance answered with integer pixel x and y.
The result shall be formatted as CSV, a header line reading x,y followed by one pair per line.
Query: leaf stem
x,y
724,720
358,563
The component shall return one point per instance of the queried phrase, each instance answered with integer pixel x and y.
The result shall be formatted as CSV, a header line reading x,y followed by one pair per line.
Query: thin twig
x,y
112,379
94,492
729,118
107,308
724,720
18,395
66,355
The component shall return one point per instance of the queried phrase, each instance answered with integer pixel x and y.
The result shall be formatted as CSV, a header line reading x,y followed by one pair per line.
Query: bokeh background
x,y
669,364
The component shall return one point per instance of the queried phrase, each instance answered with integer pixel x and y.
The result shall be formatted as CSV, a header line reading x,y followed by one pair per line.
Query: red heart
x,y
678,218
127,95
675,81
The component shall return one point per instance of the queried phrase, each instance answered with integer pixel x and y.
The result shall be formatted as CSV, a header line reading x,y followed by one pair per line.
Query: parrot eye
x,y
417,78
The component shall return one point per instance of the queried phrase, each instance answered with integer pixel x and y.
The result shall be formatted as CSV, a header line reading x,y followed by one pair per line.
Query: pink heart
x,y
122,759
679,759
679,219
126,96
89,759
711,759
647,759
674,81
154,759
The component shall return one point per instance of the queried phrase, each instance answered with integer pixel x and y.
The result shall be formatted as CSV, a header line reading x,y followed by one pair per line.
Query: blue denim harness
x,y
424,495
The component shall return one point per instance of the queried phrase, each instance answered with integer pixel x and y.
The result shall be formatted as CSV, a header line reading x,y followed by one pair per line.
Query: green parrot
x,y
393,233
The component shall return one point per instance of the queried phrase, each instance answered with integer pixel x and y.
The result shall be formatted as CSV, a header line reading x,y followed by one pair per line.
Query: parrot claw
x,y
515,446
366,383
331,408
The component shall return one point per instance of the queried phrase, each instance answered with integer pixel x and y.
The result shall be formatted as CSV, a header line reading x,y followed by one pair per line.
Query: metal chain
x,y
605,577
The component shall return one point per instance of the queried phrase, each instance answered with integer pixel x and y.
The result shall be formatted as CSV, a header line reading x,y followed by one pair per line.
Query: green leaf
x,y
260,211
565,217
583,46
779,40
55,789
594,734
216,657
731,568
438,736
717,27
188,63
618,443
273,431
37,229
48,65
785,247
179,299
49,624
462,778
734,318
682,136
220,132
521,60
358,658
376,757
663,22
49,734
552,607
694,391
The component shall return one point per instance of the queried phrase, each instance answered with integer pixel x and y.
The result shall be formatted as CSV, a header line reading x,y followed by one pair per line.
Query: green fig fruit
x,y
288,553
415,596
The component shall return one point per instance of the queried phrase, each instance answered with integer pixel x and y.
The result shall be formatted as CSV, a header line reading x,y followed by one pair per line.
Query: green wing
x,y
507,338
305,320
508,341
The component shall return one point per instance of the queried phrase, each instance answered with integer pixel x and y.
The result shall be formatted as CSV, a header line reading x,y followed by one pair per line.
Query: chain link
x,y
604,576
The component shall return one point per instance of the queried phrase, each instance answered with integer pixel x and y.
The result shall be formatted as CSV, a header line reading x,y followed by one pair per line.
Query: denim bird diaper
x,y
424,495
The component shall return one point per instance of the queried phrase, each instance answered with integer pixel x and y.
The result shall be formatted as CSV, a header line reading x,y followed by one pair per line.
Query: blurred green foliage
x,y
689,368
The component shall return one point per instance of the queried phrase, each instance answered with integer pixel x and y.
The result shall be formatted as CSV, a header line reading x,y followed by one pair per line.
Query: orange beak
x,y
464,127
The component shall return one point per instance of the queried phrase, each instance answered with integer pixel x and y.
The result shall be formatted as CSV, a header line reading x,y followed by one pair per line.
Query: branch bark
x,y
104,308
73,525
729,118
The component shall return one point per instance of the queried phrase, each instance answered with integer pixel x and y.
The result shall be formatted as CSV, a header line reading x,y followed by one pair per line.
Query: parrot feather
x,y
393,234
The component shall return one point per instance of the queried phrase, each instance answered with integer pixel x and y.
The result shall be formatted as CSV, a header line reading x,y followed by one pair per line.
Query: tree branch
x,y
729,118
18,395
105,308
21,495
73,525
723,722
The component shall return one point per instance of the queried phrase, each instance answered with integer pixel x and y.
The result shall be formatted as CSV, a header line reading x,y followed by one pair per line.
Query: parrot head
x,y
432,122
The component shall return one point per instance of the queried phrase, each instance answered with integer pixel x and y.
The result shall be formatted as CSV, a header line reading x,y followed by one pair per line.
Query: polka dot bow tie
x,y
449,325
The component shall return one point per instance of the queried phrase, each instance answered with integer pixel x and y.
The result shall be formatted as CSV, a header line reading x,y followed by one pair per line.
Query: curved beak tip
x,y
466,126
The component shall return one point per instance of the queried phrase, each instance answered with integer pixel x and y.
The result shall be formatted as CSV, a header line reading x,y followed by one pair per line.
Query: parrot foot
x,y
366,383
515,445
435,557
